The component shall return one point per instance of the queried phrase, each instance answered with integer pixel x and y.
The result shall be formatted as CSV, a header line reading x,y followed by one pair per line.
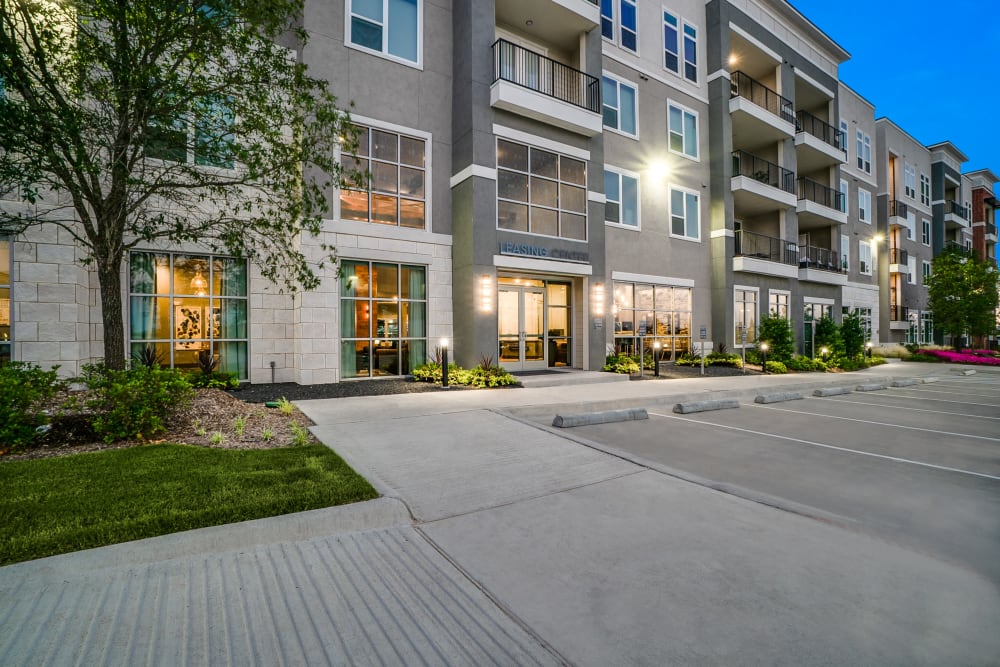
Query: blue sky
x,y
929,66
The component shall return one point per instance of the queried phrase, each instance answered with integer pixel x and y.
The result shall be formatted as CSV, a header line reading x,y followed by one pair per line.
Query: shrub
x,y
490,376
776,367
800,364
134,403
486,374
955,357
148,356
852,332
689,360
753,357
776,331
925,357
620,363
724,359
828,335
214,380
24,389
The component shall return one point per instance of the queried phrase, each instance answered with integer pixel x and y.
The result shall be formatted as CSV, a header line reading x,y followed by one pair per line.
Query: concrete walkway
x,y
525,547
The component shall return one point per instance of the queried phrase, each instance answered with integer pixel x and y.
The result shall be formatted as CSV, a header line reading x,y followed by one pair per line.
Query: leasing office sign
x,y
528,250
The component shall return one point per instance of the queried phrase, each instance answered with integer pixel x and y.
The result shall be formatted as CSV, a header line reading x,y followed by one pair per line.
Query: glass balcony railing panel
x,y
759,246
741,85
534,71
759,169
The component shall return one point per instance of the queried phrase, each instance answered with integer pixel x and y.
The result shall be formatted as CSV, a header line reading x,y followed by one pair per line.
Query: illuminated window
x,y
744,315
5,307
397,190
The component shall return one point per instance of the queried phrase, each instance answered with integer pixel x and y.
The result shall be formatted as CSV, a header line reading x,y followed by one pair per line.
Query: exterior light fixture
x,y
868,349
823,351
658,170
486,294
763,353
444,362
656,359
597,302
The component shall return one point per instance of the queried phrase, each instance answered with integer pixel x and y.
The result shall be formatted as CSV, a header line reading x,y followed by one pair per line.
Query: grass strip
x,y
57,505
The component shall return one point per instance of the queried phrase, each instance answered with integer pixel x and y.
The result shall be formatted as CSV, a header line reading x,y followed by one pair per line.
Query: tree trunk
x,y
109,277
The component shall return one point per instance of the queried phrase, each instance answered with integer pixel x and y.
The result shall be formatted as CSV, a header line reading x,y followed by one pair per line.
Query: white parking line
x,y
834,447
868,421
900,407
950,393
904,397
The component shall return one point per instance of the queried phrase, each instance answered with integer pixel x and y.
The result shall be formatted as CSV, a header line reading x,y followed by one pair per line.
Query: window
x,y
388,27
925,190
744,315
5,309
189,307
682,130
627,24
843,136
676,34
383,318
541,192
204,137
659,313
845,252
397,190
684,214
926,327
865,316
844,191
911,225
911,270
621,190
909,180
927,271
864,148
619,105
864,206
777,304
865,258
925,233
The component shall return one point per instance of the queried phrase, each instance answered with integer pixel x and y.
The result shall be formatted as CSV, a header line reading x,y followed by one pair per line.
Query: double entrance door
x,y
520,327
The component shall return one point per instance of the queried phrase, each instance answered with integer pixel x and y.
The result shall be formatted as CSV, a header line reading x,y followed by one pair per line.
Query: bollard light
x,y
763,352
444,362
868,349
823,351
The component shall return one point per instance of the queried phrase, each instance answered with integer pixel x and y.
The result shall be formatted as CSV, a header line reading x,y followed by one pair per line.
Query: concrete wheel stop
x,y
832,391
778,397
705,406
605,417
870,387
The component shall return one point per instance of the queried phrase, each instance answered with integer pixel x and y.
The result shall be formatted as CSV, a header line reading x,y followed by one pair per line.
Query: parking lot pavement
x,y
900,464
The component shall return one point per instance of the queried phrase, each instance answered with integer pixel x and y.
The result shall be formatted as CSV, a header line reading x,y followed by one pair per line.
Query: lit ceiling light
x,y
199,284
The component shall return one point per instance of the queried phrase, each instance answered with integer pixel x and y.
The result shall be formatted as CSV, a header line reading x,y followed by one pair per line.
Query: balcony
x,y
556,22
529,84
898,212
760,116
759,185
818,144
756,253
820,265
819,205
956,216
899,317
898,261
991,232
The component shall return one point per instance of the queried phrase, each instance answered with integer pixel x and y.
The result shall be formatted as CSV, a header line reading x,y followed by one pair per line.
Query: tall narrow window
x,y
671,43
629,38
911,270
682,128
684,214
925,190
925,232
864,148
911,224
5,309
864,206
868,154
389,27
865,258
843,135
744,316
777,305
608,19
690,53
397,190
927,271
910,180
619,105
621,191
845,252
844,189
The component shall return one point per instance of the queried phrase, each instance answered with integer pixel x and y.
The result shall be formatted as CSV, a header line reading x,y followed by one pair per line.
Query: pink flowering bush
x,y
961,357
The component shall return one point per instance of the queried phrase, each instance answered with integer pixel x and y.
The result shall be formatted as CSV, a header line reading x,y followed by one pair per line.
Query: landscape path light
x,y
656,359
444,362
763,359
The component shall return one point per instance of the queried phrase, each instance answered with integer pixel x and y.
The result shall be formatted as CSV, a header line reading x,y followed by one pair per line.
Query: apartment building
x,y
981,185
776,154
861,237
552,180
903,259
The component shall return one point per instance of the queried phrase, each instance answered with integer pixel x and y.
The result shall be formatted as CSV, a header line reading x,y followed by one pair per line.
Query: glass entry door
x,y
521,327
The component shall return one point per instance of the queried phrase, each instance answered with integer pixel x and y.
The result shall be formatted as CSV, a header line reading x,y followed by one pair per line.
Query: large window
x,y
621,28
397,192
383,318
5,309
619,105
684,214
777,304
926,327
678,34
744,315
646,314
864,258
682,129
909,180
203,137
927,272
387,27
864,148
865,315
925,190
621,190
541,192
864,206
189,308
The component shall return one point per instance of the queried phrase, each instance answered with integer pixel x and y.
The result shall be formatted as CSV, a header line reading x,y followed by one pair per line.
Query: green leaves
x,y
962,293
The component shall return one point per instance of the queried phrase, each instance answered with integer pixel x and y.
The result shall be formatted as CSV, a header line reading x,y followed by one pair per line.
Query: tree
x,y
962,294
852,334
168,121
776,331
828,335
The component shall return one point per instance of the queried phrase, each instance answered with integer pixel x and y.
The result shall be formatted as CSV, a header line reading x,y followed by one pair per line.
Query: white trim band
x,y
655,280
541,265
540,142
473,170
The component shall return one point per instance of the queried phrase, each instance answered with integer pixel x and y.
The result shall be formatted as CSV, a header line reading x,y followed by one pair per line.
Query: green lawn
x,y
55,505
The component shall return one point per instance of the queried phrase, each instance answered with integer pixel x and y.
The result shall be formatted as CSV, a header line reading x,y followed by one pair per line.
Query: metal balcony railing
x,y
824,259
899,313
898,209
819,193
951,206
741,85
534,71
759,169
898,256
991,228
806,122
758,246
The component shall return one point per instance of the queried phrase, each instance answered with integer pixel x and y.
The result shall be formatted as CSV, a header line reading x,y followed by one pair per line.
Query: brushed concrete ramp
x,y
454,463
382,597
